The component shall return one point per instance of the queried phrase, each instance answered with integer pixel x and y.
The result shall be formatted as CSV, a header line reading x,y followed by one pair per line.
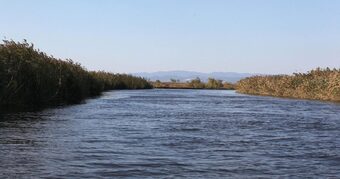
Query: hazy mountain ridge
x,y
188,75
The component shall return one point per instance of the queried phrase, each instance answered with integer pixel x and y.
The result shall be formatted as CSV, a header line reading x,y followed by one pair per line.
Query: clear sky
x,y
256,36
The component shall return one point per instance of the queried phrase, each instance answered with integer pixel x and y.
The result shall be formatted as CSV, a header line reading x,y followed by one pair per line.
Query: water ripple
x,y
174,134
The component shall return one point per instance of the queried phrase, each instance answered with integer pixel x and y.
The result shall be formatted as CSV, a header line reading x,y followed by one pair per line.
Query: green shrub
x,y
196,83
214,84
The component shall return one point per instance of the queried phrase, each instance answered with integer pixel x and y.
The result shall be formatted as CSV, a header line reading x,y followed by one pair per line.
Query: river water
x,y
174,133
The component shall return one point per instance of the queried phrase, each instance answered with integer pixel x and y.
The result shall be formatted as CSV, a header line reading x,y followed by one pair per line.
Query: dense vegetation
x,y
195,84
211,84
214,84
30,78
319,84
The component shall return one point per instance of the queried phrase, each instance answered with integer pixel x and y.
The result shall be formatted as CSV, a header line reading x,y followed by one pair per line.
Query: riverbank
x,y
318,84
31,78
194,84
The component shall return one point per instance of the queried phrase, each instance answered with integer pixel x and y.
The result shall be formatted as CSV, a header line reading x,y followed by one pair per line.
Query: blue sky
x,y
256,36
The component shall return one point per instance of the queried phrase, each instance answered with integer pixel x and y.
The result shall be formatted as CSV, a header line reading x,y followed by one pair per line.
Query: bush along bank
x,y
195,84
318,84
31,78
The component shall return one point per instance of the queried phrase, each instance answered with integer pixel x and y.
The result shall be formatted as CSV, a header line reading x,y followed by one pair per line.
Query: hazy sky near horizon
x,y
256,36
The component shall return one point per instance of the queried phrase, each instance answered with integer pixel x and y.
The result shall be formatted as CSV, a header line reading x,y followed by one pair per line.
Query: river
x,y
174,133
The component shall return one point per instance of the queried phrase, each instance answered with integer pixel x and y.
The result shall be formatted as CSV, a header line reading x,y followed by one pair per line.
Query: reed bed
x,y
31,78
318,84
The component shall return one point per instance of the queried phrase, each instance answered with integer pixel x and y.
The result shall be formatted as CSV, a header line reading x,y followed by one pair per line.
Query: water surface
x,y
174,133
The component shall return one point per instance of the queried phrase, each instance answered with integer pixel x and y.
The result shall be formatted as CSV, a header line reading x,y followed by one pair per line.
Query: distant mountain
x,y
189,75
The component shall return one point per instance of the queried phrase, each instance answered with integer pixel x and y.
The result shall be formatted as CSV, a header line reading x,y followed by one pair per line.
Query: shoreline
x,y
191,85
193,88
289,97
317,84
31,79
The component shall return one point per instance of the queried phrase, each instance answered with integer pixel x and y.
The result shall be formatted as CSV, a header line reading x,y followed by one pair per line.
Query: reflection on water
x,y
174,133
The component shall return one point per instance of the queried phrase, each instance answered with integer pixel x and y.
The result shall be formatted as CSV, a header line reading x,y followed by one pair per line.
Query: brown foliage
x,y
319,84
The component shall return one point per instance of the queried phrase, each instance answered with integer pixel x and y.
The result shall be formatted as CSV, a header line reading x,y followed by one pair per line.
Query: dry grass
x,y
319,84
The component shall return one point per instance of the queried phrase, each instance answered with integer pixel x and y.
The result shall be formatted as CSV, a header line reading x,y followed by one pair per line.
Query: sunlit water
x,y
174,133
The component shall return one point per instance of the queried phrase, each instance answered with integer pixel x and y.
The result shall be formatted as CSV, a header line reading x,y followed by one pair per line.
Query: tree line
x,y
195,83
319,84
31,78
211,84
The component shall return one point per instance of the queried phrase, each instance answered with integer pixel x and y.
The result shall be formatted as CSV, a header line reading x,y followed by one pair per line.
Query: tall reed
x,y
31,78
319,84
